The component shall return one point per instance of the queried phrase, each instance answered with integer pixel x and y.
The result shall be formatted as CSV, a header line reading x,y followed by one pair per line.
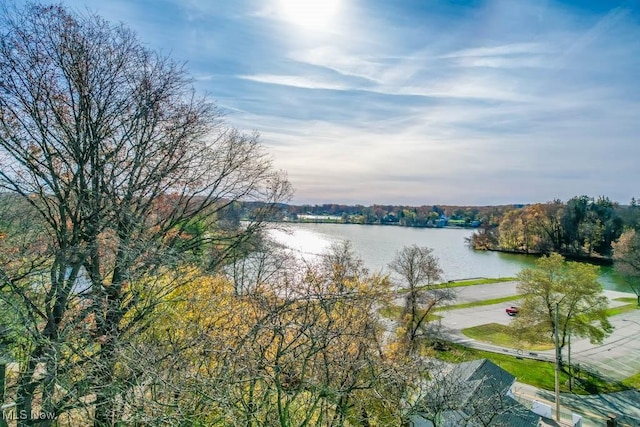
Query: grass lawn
x,y
502,335
394,312
623,308
628,300
473,282
480,303
534,372
633,381
611,311
460,283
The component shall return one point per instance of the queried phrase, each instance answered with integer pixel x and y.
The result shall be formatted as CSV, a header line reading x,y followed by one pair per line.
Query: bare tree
x,y
108,145
340,265
420,269
257,263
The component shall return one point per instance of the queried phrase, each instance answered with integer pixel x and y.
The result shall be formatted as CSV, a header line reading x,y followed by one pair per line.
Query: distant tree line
x,y
408,216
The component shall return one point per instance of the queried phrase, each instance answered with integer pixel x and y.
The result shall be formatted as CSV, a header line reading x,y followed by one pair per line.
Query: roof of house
x,y
486,396
484,372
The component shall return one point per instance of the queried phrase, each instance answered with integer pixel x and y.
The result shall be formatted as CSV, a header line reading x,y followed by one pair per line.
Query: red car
x,y
512,311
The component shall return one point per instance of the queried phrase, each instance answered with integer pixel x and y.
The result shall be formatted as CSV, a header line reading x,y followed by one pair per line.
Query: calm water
x,y
378,244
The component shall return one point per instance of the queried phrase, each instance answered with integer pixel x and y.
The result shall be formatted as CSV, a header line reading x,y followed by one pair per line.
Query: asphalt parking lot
x,y
618,357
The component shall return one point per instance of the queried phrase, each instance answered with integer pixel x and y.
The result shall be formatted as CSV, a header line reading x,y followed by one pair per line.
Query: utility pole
x,y
4,360
555,328
569,364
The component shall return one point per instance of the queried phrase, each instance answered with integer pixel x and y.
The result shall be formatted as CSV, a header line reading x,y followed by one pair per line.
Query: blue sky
x,y
418,102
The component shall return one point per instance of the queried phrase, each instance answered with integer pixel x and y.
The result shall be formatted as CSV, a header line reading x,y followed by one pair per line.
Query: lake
x,y
377,246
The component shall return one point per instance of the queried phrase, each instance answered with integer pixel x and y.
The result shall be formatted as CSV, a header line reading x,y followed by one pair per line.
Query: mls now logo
x,y
12,415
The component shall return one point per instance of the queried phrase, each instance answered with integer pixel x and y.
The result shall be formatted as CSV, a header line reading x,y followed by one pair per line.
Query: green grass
x,y
481,281
473,282
391,312
457,222
465,282
628,300
480,303
502,335
534,372
622,309
610,312
394,312
632,381
537,373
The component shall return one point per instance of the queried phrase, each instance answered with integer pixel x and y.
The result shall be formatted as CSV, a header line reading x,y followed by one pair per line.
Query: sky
x,y
417,102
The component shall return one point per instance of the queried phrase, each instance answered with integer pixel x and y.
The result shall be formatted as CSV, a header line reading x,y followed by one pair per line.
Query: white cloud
x,y
500,50
294,81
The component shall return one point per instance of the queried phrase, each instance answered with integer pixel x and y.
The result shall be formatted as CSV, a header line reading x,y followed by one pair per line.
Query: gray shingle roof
x,y
484,397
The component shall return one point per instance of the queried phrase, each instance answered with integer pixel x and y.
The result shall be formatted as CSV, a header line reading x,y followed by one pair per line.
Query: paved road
x,y
617,358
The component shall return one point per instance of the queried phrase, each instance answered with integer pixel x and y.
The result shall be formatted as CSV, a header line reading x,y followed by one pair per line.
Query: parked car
x,y
512,311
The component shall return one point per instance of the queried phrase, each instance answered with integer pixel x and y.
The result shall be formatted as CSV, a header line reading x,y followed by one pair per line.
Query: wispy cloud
x,y
294,81
500,50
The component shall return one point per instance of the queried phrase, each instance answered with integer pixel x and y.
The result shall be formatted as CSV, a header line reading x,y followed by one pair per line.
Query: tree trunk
x,y
24,394
48,390
3,371
105,395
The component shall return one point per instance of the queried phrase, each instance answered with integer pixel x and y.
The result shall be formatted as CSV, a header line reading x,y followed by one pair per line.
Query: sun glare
x,y
314,15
